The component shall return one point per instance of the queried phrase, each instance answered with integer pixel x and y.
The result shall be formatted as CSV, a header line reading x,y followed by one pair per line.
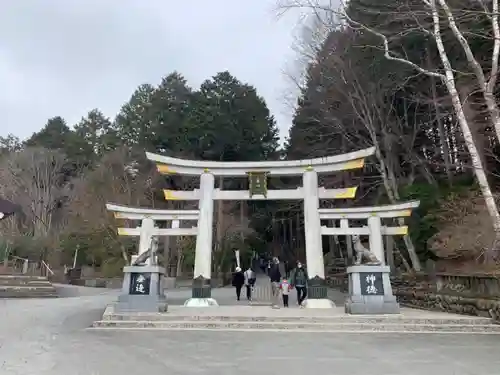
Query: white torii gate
x,y
370,290
374,216
142,288
147,230
309,192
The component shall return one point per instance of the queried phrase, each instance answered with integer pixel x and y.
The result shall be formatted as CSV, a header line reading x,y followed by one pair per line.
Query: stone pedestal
x,y
370,291
317,295
142,290
202,288
311,303
202,294
201,302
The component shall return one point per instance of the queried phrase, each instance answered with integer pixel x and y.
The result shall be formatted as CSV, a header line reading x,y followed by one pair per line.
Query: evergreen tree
x,y
96,133
234,123
171,104
134,124
10,143
55,135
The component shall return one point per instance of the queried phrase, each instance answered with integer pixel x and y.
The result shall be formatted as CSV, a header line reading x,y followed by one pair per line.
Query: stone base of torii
x,y
142,290
370,291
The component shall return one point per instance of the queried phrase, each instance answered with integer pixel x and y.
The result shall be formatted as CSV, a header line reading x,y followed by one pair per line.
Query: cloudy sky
x,y
66,57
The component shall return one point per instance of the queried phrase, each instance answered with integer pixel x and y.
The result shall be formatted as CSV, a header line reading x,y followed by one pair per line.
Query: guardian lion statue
x,y
363,255
151,253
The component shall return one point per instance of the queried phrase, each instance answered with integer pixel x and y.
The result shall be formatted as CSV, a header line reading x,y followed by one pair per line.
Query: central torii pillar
x,y
202,289
317,290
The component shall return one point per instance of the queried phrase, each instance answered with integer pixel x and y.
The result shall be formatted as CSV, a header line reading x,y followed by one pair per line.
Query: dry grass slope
x,y
466,236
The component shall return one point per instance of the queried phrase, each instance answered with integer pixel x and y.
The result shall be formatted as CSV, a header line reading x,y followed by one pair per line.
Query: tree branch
x,y
387,52
476,67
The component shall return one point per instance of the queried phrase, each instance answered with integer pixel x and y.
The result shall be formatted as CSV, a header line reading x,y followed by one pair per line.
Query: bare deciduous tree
x,y
117,179
34,179
442,17
347,104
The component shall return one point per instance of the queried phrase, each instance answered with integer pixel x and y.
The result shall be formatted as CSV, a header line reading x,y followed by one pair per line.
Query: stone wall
x,y
474,294
470,294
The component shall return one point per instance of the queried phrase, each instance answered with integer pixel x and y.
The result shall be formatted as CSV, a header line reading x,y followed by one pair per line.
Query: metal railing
x,y
17,264
24,266
45,270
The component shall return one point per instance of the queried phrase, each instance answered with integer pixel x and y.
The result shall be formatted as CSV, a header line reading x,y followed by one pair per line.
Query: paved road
x,y
49,337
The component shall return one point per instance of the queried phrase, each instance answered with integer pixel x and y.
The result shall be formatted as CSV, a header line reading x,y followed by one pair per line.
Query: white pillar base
x,y
201,302
320,303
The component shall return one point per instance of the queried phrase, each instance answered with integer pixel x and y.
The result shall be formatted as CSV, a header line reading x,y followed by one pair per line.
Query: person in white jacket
x,y
249,282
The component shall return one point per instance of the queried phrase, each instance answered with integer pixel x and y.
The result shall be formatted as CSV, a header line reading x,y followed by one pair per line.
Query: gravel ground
x,y
50,337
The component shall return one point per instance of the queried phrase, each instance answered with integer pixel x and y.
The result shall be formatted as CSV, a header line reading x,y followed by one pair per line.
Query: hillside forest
x,y
415,79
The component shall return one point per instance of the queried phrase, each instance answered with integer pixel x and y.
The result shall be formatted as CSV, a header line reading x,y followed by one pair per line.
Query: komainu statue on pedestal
x,y
363,255
151,253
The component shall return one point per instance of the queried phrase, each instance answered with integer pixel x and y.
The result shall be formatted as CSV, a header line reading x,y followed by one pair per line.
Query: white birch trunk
x,y
477,165
449,80
486,85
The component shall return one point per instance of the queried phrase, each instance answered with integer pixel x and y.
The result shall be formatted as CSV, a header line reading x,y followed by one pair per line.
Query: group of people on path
x,y
281,285
247,279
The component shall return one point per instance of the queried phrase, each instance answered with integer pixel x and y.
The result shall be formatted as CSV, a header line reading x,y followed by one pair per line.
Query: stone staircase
x,y
26,286
259,318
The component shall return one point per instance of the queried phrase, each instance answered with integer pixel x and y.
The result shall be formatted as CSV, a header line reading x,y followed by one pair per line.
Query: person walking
x,y
262,264
238,281
299,282
249,282
285,288
275,278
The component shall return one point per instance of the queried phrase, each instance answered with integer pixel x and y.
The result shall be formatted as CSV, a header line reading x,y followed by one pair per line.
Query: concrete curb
x,y
216,320
290,331
299,326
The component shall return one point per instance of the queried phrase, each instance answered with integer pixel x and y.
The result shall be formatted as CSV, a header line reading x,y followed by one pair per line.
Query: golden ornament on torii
x,y
257,183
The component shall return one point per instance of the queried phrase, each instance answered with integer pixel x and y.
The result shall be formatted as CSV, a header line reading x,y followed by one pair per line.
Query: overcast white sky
x,y
66,57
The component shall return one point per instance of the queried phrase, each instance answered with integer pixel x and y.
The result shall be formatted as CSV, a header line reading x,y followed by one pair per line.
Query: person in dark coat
x,y
238,281
299,282
249,282
262,264
275,278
